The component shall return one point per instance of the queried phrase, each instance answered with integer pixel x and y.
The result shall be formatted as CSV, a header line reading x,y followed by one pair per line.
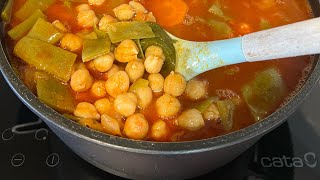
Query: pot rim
x,y
51,116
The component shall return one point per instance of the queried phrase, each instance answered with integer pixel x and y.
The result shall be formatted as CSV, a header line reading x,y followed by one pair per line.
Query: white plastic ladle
x,y
302,38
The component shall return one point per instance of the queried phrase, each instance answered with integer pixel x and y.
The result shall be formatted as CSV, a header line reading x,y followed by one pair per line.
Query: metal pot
x,y
151,160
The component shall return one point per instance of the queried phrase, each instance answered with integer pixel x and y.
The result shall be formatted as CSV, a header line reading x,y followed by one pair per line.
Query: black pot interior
x,y
74,129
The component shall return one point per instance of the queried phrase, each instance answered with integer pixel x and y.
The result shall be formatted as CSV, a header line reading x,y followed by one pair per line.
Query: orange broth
x,y
244,17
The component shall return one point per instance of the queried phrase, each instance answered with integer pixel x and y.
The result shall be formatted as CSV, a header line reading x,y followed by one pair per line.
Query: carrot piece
x,y
168,12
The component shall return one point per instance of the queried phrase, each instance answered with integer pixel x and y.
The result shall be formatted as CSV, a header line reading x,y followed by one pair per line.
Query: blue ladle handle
x,y
302,38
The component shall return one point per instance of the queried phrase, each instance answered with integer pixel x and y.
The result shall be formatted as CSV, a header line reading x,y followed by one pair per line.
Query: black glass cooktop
x,y
30,150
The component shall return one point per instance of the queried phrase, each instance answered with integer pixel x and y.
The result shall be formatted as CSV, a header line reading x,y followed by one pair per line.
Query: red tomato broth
x,y
244,18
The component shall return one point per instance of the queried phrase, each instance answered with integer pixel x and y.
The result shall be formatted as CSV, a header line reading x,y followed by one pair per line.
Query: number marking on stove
x,y
7,134
53,160
17,160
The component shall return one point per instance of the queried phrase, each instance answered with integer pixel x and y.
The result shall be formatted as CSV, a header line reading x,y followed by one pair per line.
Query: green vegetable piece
x,y
140,83
202,106
23,28
85,35
226,109
216,9
265,24
164,41
45,31
54,93
7,11
264,93
46,57
30,6
220,27
141,53
93,48
160,33
120,31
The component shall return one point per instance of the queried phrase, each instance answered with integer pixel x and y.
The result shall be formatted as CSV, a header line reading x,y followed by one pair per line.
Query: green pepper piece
x,y
226,109
30,6
140,83
216,9
7,11
202,106
164,41
264,93
45,31
23,28
120,31
220,27
46,57
87,35
93,48
54,93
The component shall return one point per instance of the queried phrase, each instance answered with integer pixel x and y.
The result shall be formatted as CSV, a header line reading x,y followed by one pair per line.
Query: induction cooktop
x,y
30,150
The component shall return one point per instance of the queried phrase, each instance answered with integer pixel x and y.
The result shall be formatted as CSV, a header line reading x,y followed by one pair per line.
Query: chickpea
x,y
126,104
155,51
110,125
144,95
175,84
124,12
138,7
167,106
136,127
98,89
151,18
159,130
212,113
96,2
112,71
71,42
104,62
81,80
59,26
83,7
87,18
86,110
104,21
135,70
196,89
118,84
153,64
127,51
104,106
156,82
191,120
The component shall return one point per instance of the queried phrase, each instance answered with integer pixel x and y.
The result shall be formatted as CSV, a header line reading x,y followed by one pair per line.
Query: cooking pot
x,y
152,160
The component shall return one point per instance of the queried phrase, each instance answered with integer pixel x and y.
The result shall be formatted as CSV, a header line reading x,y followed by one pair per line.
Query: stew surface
x,y
106,64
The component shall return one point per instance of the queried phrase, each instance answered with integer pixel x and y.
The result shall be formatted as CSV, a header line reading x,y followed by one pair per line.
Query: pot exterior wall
x,y
136,165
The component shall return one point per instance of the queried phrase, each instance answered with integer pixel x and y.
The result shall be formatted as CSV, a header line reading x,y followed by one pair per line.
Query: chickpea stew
x,y
109,64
